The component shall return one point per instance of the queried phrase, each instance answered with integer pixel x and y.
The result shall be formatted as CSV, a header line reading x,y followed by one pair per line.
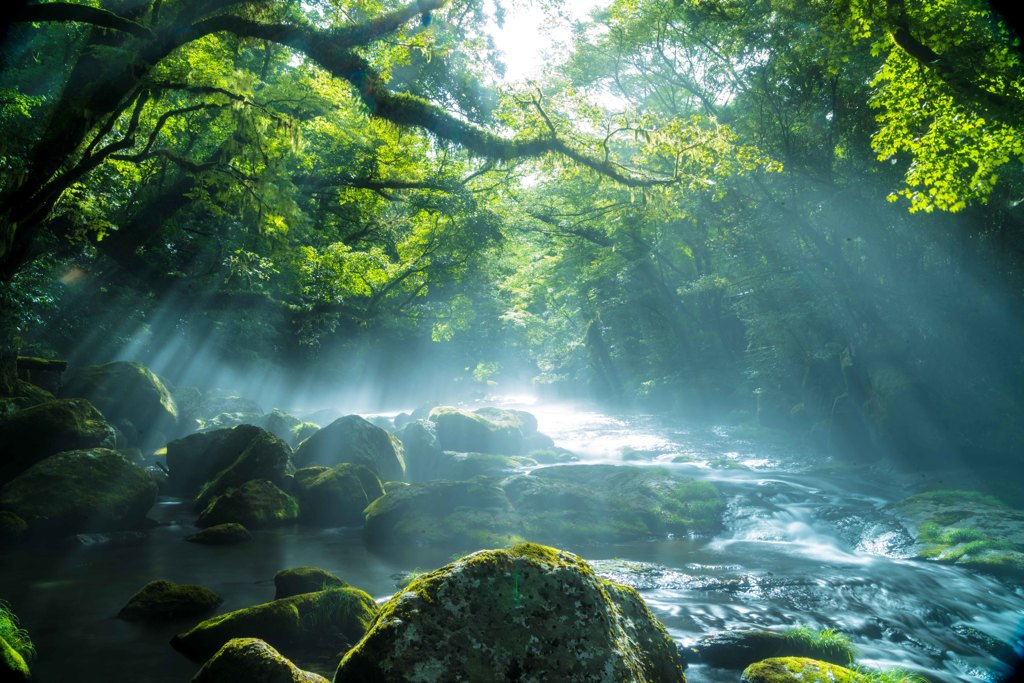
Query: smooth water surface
x,y
800,547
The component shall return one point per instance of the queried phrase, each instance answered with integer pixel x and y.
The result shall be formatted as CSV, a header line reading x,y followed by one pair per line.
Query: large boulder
x,y
336,496
162,600
305,626
461,430
528,613
263,456
353,439
799,670
199,458
443,517
130,396
298,580
32,434
81,491
254,661
575,504
257,504
966,528
423,452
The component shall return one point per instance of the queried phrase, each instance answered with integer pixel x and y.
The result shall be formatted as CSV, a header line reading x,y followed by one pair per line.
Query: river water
x,y
800,546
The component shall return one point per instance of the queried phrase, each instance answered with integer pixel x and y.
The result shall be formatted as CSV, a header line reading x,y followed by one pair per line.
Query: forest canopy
x,y
803,213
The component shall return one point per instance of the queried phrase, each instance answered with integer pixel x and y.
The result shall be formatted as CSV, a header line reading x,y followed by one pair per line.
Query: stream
x,y
799,547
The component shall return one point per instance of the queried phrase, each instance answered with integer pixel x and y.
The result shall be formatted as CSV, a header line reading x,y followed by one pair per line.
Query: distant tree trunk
x,y
8,359
601,360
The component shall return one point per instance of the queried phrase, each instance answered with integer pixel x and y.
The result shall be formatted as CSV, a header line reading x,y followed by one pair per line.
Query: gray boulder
x,y
528,613
353,439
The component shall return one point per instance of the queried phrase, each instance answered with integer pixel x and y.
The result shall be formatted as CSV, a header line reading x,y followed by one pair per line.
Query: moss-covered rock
x,y
32,434
799,670
253,661
208,463
966,528
257,504
353,439
127,392
461,430
305,627
442,516
80,491
12,528
740,649
162,600
281,425
229,533
13,668
427,461
336,496
525,613
608,504
423,451
263,456
298,580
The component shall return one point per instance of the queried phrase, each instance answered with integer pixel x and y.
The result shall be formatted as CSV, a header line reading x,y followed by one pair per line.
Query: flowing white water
x,y
797,548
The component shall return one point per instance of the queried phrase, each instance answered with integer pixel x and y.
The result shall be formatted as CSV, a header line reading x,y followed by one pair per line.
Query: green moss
x,y
81,491
799,670
528,612
13,668
832,644
298,624
15,636
298,580
251,659
161,600
338,495
255,504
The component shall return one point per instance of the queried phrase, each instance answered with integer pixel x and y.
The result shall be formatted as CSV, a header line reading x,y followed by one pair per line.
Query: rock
x,y
216,404
30,435
298,580
526,422
13,668
163,600
528,613
454,466
423,451
799,670
281,424
553,456
228,420
353,439
303,431
608,504
740,649
41,372
25,395
385,423
538,442
228,533
263,456
256,505
966,528
12,528
200,458
253,661
308,625
460,430
80,491
336,496
128,392
443,517
401,420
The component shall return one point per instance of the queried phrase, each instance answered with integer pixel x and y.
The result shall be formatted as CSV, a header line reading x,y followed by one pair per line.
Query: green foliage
x,y
11,631
837,645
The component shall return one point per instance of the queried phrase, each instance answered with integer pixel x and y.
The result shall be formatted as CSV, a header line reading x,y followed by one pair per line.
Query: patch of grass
x,y
16,637
836,644
890,675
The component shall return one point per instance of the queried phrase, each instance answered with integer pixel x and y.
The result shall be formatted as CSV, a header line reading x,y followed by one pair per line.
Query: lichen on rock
x,y
256,505
526,613
354,439
162,600
799,670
